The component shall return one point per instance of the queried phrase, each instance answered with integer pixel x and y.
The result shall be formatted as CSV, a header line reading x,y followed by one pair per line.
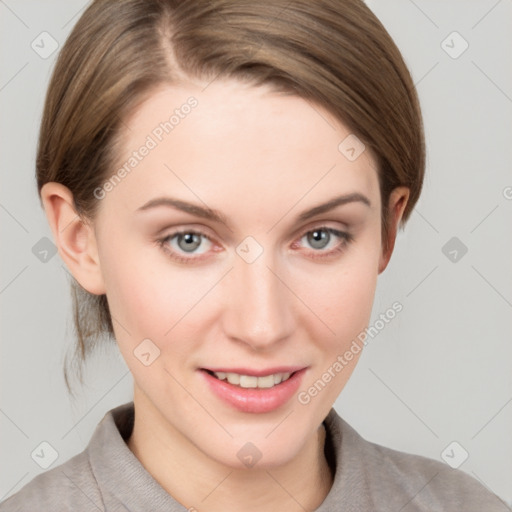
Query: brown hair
x,y
334,53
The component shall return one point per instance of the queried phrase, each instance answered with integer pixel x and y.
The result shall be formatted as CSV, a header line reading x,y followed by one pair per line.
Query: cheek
x,y
145,298
343,297
151,298
344,304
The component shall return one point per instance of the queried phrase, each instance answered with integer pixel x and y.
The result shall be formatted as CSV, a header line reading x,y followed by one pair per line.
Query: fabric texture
x,y
107,476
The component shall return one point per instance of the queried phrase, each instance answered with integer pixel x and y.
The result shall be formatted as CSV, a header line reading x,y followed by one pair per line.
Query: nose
x,y
259,304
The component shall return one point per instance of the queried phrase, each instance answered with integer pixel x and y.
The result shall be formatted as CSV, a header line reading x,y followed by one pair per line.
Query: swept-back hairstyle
x,y
334,53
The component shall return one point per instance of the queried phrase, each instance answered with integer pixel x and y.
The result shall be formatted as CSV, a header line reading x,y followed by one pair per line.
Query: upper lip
x,y
256,372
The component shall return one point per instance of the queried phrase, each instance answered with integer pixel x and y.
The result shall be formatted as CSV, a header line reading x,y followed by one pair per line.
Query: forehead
x,y
236,140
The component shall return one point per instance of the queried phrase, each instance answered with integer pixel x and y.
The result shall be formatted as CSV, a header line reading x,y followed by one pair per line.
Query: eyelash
x,y
346,238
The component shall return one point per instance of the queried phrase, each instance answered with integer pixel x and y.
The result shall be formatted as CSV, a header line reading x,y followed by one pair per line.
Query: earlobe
x,y
75,239
397,202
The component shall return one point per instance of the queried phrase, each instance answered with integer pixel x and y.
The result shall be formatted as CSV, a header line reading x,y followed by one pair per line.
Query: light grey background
x,y
439,372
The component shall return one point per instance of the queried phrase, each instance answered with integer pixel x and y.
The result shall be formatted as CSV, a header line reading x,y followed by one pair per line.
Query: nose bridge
x,y
259,303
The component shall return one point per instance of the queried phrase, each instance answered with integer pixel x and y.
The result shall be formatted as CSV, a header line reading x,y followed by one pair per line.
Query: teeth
x,y
250,381
266,382
233,378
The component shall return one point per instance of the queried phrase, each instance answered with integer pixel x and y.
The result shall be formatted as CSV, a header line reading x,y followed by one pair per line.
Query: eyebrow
x,y
216,216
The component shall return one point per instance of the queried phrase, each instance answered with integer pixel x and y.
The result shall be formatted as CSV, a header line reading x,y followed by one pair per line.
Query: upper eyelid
x,y
299,232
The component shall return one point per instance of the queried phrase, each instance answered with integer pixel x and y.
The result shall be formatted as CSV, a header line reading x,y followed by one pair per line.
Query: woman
x,y
225,181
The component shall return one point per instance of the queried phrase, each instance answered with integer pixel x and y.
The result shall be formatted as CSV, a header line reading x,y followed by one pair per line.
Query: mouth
x,y
252,381
254,391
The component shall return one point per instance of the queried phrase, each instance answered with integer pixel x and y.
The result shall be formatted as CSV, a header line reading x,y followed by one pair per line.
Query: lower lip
x,y
255,400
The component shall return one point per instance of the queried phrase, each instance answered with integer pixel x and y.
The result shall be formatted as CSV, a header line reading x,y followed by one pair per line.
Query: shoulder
x,y
69,486
426,483
408,482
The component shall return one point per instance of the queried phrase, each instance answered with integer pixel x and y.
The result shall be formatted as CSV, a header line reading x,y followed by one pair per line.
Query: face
x,y
222,273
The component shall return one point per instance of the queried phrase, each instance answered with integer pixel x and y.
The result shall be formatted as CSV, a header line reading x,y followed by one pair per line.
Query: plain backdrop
x,y
438,373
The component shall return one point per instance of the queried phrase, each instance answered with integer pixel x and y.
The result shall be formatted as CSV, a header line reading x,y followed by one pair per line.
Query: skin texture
x,y
261,158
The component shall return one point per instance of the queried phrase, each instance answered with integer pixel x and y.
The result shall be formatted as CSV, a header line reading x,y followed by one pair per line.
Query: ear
x,y
396,206
75,238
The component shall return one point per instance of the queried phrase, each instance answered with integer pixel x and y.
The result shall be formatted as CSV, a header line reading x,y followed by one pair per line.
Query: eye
x,y
185,242
322,237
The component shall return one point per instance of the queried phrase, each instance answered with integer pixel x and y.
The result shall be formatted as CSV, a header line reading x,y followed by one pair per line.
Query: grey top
x,y
107,476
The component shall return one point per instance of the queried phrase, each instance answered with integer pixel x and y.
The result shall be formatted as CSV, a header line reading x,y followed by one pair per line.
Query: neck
x,y
201,483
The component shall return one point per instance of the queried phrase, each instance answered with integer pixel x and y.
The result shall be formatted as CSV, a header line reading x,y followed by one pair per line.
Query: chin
x,y
258,452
